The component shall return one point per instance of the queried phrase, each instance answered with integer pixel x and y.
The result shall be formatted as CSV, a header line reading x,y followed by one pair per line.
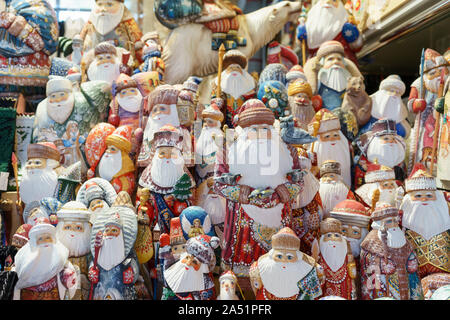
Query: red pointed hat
x,y
351,212
420,179
254,112
121,138
95,145
176,233
22,232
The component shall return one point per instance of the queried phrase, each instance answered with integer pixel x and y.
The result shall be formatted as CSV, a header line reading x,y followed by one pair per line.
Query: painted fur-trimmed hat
x,y
299,86
330,225
420,179
124,81
295,73
323,121
202,247
330,166
234,57
254,112
383,211
329,47
393,82
286,239
167,136
45,150
212,112
380,128
73,210
377,172
105,47
351,212
121,138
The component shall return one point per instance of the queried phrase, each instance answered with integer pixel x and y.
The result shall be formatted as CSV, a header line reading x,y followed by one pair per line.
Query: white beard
x,y
112,252
166,172
110,164
215,206
355,244
303,114
311,186
181,280
104,24
130,103
106,71
227,293
331,194
60,111
324,24
36,265
335,77
385,106
333,256
261,165
432,85
46,179
395,237
154,125
279,281
205,144
79,244
427,220
236,84
340,152
387,154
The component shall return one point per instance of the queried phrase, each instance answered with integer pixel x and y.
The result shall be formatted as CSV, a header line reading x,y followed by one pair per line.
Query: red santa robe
x,y
337,283
245,239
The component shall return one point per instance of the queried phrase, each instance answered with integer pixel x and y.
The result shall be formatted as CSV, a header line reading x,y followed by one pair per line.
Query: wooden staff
x,y
413,155
16,178
219,70
303,52
437,124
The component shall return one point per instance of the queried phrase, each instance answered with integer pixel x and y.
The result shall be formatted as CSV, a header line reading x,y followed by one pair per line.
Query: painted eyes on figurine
x,y
290,256
279,256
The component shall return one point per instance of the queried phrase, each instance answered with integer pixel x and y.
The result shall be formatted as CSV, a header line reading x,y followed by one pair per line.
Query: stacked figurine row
x,y
294,184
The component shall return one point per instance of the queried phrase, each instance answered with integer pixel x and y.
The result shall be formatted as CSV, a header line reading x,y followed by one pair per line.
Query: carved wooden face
x,y
356,84
285,256
259,132
333,236
333,59
59,96
74,226
191,261
44,239
36,163
387,184
167,153
111,231
332,135
96,204
105,58
107,6
423,195
350,231
329,3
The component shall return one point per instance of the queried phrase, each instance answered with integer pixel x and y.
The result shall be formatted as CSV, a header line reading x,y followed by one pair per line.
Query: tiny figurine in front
x,y
43,268
228,282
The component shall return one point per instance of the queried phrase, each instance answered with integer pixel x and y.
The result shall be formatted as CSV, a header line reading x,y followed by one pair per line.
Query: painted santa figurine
x,y
127,102
355,219
333,189
74,232
41,170
115,164
190,278
328,73
167,177
151,54
43,268
387,104
307,210
381,145
71,114
426,219
332,144
111,21
300,104
337,261
228,281
387,260
421,102
319,29
285,273
259,186
96,194
104,62
380,186
206,145
162,108
237,85
114,269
